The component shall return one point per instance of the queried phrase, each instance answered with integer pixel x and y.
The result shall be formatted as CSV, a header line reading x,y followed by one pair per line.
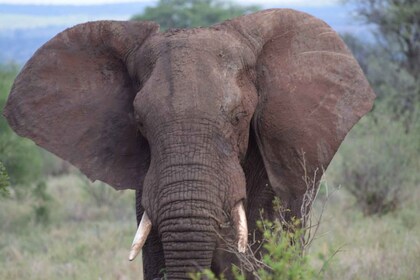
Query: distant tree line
x,y
192,13
392,62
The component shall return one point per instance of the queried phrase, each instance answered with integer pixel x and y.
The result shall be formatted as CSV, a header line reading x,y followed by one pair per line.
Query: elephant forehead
x,y
201,44
197,68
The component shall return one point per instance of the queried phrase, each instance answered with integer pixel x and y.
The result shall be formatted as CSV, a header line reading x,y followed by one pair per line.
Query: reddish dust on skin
x,y
100,94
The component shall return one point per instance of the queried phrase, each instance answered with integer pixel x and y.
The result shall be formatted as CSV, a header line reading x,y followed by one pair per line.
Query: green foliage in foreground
x,y
192,13
283,258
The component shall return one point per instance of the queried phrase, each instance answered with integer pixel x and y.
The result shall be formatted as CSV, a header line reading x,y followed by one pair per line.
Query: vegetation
x,y
379,161
383,171
396,76
397,24
192,13
368,247
4,181
78,240
85,241
282,258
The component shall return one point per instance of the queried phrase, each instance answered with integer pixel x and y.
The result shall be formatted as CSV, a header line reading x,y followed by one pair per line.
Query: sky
x,y
90,2
25,26
45,16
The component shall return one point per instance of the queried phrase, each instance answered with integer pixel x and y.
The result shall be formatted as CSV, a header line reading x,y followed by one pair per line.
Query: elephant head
x,y
206,124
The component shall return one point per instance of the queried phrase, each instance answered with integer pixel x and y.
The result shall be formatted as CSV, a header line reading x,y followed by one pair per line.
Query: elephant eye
x,y
139,123
237,117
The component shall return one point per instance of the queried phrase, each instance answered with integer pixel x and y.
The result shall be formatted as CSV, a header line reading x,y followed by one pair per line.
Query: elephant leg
x,y
153,258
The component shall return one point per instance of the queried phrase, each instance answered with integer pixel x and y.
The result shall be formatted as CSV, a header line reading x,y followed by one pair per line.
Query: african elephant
x,y
208,125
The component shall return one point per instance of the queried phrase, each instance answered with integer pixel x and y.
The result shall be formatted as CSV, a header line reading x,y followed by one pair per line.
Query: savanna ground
x,y
86,233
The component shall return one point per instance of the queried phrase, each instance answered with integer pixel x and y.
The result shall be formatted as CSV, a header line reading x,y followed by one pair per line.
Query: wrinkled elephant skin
x,y
208,125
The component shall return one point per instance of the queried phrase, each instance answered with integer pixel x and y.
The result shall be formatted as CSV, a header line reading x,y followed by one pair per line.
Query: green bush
x,y
283,258
41,204
379,161
4,181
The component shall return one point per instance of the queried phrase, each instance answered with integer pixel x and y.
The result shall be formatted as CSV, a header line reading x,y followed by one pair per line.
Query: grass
x,y
85,239
369,247
81,240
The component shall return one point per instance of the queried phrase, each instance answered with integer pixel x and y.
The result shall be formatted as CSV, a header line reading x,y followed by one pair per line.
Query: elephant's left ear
x,y
74,98
311,92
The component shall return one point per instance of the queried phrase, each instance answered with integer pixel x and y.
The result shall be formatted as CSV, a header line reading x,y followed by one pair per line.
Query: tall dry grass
x,y
82,240
369,247
86,239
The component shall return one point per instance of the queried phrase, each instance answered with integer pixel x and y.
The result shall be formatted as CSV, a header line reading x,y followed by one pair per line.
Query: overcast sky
x,y
12,18
24,28
88,2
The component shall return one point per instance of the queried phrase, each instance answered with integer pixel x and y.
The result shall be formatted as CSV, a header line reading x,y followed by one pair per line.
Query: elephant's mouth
x,y
238,218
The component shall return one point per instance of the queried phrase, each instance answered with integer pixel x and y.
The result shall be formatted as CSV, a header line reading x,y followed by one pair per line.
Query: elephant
x,y
207,125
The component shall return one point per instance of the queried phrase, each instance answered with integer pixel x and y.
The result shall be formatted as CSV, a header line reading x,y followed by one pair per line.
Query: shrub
x,y
378,161
283,257
42,203
283,253
4,181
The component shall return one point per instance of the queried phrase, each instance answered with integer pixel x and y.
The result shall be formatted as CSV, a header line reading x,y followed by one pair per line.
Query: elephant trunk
x,y
188,247
192,189
187,225
189,213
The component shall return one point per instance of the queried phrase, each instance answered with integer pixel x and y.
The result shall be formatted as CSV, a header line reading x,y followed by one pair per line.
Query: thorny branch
x,y
251,261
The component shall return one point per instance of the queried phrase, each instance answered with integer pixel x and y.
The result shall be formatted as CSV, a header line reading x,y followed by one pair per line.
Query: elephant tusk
x,y
141,235
239,220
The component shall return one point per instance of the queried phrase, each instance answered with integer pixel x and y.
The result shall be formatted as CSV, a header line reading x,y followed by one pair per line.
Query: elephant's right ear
x,y
74,98
311,92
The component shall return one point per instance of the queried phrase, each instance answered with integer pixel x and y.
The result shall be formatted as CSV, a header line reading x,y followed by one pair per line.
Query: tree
x,y
397,31
378,163
192,13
